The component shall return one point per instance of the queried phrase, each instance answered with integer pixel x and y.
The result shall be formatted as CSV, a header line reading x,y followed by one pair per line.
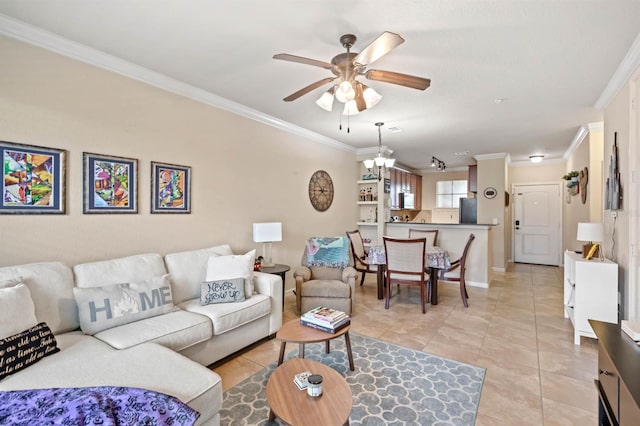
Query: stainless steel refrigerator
x,y
468,210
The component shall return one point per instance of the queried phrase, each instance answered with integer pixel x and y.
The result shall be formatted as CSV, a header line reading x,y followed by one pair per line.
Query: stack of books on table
x,y
325,319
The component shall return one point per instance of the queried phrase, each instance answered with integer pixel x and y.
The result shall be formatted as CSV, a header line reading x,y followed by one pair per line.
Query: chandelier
x,y
380,164
441,167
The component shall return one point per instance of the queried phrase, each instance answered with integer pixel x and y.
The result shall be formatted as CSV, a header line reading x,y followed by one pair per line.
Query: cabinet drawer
x,y
629,411
608,376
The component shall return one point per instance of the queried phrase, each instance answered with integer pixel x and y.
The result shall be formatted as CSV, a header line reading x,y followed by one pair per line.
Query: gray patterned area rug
x,y
390,385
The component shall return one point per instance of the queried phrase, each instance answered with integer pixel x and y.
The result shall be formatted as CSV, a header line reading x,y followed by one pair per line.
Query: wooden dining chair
x,y
431,235
457,271
406,265
359,255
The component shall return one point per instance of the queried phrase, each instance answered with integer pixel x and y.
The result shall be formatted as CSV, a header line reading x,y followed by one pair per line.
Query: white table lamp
x,y
267,233
590,232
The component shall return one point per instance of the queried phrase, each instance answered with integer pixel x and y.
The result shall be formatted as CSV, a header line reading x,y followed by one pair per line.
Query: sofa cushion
x,y
119,271
227,316
188,270
222,291
24,349
109,306
86,361
231,267
17,312
50,285
176,330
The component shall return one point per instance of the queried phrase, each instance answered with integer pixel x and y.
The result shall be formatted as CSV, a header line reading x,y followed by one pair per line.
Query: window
x,y
449,192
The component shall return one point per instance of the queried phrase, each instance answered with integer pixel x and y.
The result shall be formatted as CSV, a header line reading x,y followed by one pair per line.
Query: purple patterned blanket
x,y
100,405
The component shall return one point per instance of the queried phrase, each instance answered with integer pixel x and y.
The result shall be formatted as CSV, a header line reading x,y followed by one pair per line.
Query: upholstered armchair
x,y
330,286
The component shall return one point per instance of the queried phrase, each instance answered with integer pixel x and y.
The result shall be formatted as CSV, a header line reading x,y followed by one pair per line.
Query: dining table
x,y
436,259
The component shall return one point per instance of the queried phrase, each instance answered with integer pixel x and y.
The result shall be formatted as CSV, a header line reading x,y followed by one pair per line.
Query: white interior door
x,y
537,224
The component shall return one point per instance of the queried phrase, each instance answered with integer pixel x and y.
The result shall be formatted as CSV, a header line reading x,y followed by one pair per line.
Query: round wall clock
x,y
490,192
321,190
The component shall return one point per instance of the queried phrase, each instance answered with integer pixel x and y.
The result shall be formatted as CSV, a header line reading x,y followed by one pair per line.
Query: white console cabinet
x,y
590,292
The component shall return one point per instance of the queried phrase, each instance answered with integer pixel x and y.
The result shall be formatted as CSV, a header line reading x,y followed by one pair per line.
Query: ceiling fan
x,y
347,66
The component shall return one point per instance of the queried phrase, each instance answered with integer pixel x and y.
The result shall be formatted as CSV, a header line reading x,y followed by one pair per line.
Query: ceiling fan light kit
x,y
356,96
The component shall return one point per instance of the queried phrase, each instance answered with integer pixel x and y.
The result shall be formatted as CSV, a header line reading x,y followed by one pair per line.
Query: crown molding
x,y
624,72
597,126
582,133
38,37
528,163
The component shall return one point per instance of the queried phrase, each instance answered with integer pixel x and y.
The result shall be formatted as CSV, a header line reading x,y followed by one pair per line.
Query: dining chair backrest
x,y
405,258
357,245
431,235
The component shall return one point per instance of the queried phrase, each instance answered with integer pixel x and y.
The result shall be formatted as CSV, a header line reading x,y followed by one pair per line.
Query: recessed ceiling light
x,y
536,158
394,129
499,100
462,153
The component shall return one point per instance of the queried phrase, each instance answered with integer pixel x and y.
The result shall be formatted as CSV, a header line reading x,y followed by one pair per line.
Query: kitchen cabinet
x,y
402,181
590,292
473,178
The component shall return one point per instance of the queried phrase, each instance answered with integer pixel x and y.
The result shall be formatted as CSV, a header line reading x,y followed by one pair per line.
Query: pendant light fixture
x,y
380,163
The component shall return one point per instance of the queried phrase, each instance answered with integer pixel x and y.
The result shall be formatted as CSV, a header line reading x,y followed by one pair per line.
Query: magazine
x,y
324,315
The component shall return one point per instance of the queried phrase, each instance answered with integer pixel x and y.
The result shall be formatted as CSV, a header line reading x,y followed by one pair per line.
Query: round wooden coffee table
x,y
293,406
295,332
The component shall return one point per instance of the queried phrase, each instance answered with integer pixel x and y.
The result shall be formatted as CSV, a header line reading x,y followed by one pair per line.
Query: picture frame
x,y
109,184
34,179
170,188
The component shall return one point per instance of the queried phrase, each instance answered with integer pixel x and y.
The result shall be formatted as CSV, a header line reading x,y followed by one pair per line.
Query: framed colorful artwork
x,y
33,179
170,188
110,184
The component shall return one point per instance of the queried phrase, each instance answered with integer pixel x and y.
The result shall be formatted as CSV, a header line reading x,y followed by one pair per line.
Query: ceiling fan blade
x,y
301,60
384,44
309,88
360,102
397,78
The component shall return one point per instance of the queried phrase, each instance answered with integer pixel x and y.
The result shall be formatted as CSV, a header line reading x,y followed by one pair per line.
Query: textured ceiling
x,y
551,62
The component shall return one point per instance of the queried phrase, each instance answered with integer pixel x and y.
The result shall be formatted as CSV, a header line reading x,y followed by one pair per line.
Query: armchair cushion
x,y
326,288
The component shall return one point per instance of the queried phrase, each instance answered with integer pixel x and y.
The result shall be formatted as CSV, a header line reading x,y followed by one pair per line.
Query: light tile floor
x,y
515,329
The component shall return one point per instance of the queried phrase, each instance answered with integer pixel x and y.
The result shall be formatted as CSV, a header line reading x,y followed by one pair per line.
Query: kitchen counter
x,y
453,237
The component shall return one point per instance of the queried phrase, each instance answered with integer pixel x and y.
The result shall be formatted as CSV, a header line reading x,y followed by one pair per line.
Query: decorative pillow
x,y
222,291
105,307
17,312
233,266
21,350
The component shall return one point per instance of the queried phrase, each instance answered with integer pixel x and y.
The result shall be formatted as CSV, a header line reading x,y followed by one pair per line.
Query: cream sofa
x,y
165,353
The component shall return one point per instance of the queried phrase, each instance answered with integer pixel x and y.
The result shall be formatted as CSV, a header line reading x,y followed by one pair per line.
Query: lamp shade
x,y
590,231
267,232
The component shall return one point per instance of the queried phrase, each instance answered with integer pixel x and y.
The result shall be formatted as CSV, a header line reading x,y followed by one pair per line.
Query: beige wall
x,y
574,211
596,172
242,171
492,173
617,119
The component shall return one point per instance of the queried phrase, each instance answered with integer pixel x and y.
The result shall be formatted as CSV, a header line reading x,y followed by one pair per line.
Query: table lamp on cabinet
x,y
267,233
593,234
